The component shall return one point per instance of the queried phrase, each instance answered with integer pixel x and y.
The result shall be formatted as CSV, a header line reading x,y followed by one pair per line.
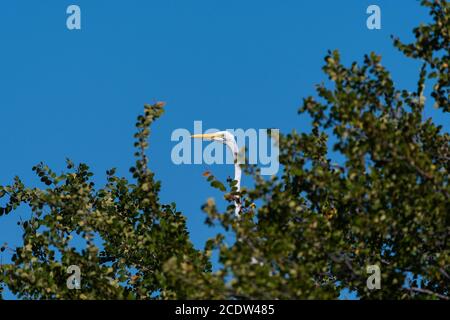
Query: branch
x,y
441,270
426,291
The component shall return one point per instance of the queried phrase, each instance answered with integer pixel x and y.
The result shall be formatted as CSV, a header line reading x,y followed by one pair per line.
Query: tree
x,y
138,233
314,229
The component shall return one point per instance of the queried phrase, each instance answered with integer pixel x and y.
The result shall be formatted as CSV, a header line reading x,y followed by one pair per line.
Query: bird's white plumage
x,y
228,139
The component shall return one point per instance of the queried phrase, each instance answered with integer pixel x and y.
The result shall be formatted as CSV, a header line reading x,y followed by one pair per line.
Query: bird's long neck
x,y
237,168
237,173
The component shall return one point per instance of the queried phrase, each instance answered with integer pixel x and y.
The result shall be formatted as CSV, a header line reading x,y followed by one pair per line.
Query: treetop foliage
x,y
307,233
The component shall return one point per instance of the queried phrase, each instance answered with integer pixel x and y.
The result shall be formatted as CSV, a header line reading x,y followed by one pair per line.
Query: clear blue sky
x,y
76,94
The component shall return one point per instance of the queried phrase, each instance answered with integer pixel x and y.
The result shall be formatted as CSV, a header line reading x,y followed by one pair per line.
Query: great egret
x,y
228,139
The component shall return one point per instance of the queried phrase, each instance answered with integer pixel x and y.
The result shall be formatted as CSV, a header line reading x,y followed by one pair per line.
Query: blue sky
x,y
231,64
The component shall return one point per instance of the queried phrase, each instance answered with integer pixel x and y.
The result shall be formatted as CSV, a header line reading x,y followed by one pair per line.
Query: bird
x,y
229,140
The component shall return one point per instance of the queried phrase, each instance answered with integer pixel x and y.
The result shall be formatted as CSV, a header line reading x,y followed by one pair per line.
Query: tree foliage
x,y
307,233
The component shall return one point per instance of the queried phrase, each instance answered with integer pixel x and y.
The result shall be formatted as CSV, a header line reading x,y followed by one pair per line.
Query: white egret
x,y
228,139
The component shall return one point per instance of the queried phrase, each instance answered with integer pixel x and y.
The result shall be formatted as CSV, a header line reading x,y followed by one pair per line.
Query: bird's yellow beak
x,y
206,136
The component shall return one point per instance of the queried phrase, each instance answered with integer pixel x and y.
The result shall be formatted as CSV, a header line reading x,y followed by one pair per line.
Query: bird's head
x,y
220,136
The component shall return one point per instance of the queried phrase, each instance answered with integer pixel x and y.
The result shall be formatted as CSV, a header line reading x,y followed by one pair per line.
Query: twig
x,y
420,290
444,273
